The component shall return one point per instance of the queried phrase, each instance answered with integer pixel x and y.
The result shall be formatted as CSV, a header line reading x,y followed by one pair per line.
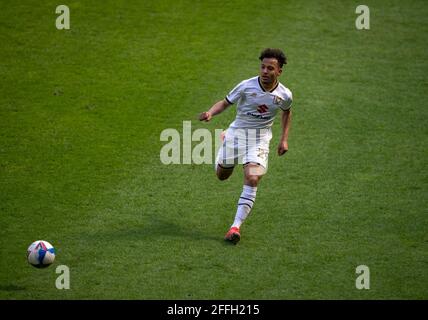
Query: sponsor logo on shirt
x,y
257,115
263,108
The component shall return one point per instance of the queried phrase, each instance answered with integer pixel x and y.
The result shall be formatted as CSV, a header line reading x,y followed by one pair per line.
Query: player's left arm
x,y
285,121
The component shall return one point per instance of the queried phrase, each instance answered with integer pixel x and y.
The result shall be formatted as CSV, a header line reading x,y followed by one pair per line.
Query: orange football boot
x,y
233,235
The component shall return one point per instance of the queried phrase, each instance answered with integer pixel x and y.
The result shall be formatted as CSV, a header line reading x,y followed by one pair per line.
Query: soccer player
x,y
247,139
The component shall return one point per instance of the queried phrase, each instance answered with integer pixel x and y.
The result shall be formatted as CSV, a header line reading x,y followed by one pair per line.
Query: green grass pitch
x,y
81,112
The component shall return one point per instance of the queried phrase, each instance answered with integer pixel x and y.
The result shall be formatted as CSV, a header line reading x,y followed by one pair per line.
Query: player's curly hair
x,y
278,54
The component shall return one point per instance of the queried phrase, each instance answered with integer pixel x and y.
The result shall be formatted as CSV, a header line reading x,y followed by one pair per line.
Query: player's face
x,y
269,71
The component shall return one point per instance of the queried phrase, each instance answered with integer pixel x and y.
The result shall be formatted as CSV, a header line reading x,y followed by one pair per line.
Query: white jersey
x,y
256,108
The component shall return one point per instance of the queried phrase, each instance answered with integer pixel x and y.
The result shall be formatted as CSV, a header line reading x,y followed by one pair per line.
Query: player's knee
x,y
253,174
222,177
219,174
252,180
223,174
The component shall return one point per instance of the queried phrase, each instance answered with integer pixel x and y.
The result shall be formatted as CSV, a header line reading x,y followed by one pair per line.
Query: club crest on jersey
x,y
263,108
277,100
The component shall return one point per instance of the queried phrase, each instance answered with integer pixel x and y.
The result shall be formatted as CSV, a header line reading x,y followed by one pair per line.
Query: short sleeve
x,y
286,104
235,94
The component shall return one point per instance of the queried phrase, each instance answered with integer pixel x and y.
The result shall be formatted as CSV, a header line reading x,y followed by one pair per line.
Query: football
x,y
41,254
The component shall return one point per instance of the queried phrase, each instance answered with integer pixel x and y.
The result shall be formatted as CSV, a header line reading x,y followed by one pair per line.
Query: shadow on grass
x,y
11,287
157,229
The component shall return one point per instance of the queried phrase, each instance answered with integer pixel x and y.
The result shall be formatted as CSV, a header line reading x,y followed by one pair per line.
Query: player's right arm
x,y
217,108
221,105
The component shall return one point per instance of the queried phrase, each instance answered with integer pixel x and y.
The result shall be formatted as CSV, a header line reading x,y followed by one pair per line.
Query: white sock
x,y
245,203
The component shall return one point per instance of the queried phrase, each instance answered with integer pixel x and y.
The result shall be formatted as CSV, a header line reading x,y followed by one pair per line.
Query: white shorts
x,y
241,146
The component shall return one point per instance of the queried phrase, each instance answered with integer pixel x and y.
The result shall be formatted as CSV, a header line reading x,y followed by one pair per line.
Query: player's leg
x,y
223,172
225,161
253,173
255,166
